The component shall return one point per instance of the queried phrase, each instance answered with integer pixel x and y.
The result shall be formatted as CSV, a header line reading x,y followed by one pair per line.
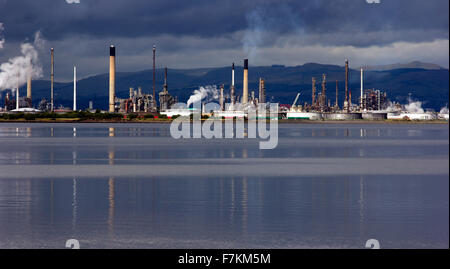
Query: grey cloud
x,y
213,33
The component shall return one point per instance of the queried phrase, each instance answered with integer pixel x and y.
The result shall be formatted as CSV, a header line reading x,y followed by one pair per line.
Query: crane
x,y
296,98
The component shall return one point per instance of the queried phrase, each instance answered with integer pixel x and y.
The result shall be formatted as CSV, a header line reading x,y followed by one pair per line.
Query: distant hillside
x,y
414,65
282,84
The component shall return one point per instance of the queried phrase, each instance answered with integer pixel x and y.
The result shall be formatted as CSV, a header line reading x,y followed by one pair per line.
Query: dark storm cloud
x,y
211,18
202,33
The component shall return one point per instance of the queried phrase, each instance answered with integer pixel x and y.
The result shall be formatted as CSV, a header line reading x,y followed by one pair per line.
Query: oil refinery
x,y
371,104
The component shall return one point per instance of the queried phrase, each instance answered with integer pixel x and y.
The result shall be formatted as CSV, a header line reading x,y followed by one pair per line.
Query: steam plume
x,y
414,107
207,92
18,69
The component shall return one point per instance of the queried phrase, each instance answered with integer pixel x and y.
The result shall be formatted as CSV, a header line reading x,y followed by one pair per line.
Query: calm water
x,y
133,186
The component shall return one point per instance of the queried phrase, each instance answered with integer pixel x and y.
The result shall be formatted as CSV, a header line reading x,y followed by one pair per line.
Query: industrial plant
x,y
370,104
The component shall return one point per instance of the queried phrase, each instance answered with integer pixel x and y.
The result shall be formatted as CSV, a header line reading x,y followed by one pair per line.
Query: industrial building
x,y
372,103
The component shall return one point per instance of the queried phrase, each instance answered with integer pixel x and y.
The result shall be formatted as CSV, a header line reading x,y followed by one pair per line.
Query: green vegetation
x,y
83,116
79,115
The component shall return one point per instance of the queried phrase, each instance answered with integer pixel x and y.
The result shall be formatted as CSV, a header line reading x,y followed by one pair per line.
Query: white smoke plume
x,y
2,40
17,70
72,1
208,93
414,107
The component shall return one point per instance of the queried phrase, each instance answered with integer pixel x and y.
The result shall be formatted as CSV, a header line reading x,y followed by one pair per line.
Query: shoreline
x,y
282,121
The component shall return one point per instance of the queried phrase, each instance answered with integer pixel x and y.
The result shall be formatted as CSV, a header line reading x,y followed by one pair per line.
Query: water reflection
x,y
111,204
74,204
244,209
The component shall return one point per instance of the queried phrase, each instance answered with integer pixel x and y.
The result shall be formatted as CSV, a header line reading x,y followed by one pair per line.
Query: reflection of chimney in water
x,y
111,132
111,156
111,200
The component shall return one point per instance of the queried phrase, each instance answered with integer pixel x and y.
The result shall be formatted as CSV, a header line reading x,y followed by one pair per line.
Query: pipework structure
x,y
136,103
222,99
323,99
262,91
165,99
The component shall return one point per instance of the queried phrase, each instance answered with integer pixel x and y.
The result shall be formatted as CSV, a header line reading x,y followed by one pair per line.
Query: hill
x,y
282,84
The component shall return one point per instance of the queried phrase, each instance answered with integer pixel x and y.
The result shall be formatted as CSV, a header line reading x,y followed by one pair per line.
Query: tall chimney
x,y
313,92
17,93
232,93
362,88
74,88
29,86
245,89
349,99
324,95
165,80
52,77
112,78
154,70
337,104
346,84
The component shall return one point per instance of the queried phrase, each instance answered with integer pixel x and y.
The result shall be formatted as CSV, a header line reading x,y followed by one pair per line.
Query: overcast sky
x,y
208,33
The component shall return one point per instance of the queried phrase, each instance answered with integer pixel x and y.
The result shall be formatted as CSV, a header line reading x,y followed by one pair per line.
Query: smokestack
x,y
29,86
362,88
232,85
245,89
349,99
313,92
74,88
52,77
154,70
337,104
346,84
17,92
323,96
112,78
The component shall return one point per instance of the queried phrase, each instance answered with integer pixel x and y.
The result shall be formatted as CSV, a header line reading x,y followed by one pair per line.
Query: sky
x,y
213,33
